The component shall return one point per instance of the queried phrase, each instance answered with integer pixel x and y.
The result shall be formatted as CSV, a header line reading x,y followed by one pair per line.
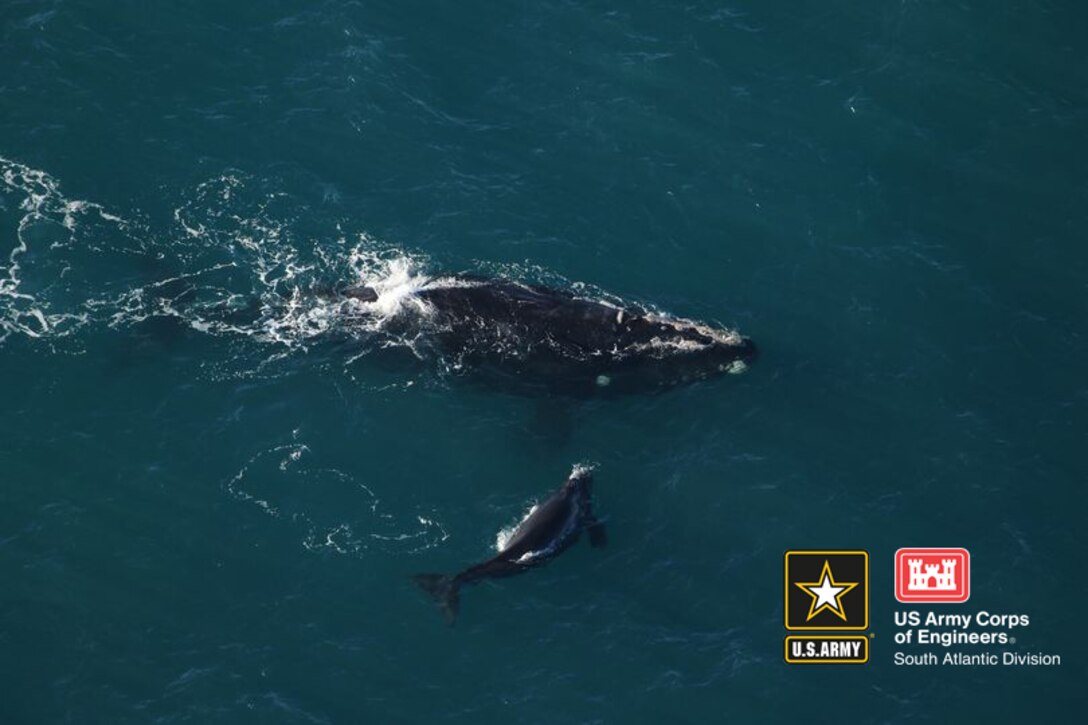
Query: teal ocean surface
x,y
213,496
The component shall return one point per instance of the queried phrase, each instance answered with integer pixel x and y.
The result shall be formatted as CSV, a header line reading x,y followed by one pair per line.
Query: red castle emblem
x,y
932,575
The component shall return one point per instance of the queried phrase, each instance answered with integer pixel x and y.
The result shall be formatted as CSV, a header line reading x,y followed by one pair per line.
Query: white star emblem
x,y
826,593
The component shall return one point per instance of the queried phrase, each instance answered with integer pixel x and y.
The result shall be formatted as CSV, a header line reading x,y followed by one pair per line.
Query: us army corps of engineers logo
x,y
827,591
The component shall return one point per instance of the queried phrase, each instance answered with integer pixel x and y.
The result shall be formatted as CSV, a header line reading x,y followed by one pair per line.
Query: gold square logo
x,y
827,591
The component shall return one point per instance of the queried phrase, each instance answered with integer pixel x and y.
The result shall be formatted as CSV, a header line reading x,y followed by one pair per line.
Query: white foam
x,y
45,211
582,469
290,484
503,536
396,288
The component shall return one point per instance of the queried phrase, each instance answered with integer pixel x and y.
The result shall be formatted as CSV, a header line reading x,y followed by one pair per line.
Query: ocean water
x,y
212,497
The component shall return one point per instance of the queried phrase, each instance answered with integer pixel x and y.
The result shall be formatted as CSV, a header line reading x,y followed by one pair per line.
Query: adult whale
x,y
542,338
549,529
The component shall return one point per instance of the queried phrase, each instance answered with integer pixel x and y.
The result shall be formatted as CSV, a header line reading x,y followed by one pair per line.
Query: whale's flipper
x,y
445,590
598,536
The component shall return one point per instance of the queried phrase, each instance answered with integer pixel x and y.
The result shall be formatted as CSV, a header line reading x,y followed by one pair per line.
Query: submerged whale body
x,y
548,530
553,340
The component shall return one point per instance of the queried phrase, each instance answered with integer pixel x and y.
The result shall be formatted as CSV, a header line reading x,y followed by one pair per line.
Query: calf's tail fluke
x,y
445,590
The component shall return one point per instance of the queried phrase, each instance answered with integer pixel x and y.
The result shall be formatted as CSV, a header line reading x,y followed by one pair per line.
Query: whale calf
x,y
549,529
551,340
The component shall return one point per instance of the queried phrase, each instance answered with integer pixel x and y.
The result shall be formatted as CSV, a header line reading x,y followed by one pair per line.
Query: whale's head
x,y
662,351
580,481
579,484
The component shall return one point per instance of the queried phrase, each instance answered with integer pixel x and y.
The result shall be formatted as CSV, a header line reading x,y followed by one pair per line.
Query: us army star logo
x,y
827,590
826,593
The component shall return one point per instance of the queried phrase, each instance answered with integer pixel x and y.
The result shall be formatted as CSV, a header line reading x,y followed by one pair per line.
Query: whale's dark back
x,y
554,523
554,339
528,338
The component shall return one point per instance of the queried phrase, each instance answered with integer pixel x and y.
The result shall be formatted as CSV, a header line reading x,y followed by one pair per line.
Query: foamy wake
x,y
332,510
46,222
233,267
